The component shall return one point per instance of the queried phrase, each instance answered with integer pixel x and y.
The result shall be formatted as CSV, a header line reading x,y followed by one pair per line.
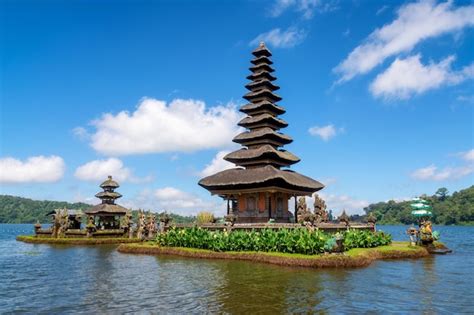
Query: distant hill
x,y
457,208
23,210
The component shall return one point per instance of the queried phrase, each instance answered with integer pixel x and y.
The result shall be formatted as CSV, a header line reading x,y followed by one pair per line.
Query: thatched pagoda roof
x,y
262,136
263,83
263,94
262,50
109,183
260,177
261,75
264,153
262,107
106,208
262,67
262,120
261,59
108,195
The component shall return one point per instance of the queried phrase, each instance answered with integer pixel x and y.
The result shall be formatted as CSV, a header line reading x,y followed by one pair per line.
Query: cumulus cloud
x,y
281,39
468,155
174,200
344,202
155,127
407,77
325,132
415,22
81,133
36,169
217,164
305,7
98,170
432,173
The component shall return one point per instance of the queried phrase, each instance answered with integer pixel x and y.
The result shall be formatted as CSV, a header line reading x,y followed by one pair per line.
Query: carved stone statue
x,y
320,209
90,227
140,224
344,218
151,225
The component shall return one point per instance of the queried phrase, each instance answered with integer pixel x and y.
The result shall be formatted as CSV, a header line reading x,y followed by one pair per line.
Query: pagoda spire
x,y
262,140
109,195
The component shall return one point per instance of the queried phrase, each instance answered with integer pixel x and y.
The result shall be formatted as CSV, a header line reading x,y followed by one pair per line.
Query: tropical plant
x,y
205,217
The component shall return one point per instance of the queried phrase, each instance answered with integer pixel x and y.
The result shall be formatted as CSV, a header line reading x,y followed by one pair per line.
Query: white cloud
x,y
174,200
325,132
406,77
36,169
340,202
217,164
415,22
154,127
432,173
305,7
98,170
468,155
81,133
281,39
382,10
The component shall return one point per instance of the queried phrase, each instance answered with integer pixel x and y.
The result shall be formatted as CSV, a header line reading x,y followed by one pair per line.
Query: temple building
x,y
107,214
260,188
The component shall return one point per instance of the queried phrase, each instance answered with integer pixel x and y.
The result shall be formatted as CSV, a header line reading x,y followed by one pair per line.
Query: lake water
x,y
64,279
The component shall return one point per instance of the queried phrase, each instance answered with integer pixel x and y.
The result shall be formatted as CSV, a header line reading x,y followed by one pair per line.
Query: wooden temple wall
x,y
254,207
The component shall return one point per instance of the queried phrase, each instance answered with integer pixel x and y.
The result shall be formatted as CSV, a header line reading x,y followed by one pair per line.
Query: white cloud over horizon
x,y
98,170
325,132
407,77
468,155
279,38
157,127
36,169
174,200
433,173
217,164
415,22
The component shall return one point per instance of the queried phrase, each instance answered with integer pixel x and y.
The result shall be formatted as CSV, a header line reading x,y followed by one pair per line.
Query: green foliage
x,y
205,217
455,209
296,241
365,239
23,210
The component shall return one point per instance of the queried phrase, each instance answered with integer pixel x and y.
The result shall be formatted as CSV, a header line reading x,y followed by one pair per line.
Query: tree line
x,y
15,209
447,209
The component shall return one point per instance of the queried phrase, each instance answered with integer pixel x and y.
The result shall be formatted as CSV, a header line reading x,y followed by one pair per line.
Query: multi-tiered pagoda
x,y
261,187
108,212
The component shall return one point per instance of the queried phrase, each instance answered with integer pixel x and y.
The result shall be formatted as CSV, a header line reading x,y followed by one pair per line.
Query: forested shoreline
x,y
448,209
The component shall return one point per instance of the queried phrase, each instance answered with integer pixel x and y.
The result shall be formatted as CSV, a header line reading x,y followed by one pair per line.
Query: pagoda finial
x,y
262,44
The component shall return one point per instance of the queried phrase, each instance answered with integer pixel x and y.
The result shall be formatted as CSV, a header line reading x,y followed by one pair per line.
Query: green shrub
x,y
365,239
205,217
300,241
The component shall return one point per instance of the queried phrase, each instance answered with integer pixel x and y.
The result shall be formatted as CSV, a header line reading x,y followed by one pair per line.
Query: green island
x,y
355,257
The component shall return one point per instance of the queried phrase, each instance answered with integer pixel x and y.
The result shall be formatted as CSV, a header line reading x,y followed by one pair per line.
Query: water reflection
x,y
81,279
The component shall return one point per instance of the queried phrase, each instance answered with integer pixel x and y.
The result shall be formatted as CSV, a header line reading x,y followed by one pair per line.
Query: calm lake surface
x,y
53,279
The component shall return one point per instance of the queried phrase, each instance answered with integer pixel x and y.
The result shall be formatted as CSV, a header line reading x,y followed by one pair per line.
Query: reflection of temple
x,y
260,189
108,214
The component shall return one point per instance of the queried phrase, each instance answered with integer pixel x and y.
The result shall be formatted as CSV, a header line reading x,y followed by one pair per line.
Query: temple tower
x,y
260,189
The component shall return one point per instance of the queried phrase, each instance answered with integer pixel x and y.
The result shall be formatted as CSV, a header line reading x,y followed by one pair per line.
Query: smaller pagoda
x,y
107,214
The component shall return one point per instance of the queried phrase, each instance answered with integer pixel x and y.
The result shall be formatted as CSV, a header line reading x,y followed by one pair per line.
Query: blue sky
x,y
379,96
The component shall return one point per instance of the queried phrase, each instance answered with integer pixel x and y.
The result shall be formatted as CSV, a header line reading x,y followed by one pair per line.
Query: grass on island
x,y
356,257
75,241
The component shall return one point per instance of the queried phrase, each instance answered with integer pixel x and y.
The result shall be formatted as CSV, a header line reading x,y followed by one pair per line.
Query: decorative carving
x,y
140,224
344,218
320,209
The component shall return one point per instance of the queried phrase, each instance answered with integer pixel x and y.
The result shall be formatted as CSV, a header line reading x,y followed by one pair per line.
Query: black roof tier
x,y
261,84
262,50
261,67
262,136
261,59
261,75
262,107
108,195
109,183
262,95
263,120
267,177
265,154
